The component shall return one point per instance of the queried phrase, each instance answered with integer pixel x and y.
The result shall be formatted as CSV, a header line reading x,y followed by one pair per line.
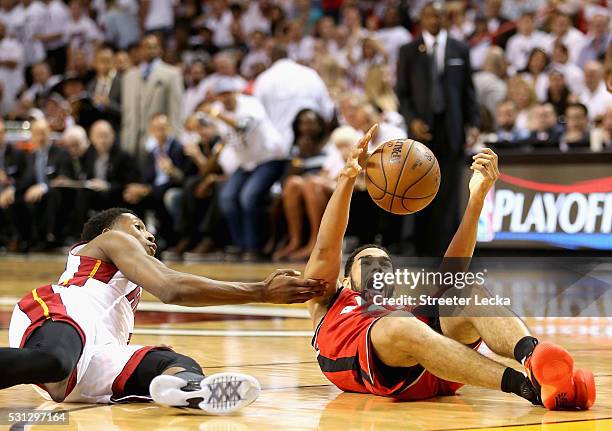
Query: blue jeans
x,y
243,199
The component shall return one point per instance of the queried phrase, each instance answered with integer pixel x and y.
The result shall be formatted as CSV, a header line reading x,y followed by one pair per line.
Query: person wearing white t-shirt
x,y
392,36
82,32
11,71
54,34
11,14
574,76
34,14
261,155
574,39
288,87
595,96
524,41
219,20
159,15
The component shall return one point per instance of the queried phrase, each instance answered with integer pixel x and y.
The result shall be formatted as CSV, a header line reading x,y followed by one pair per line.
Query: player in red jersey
x,y
397,354
71,338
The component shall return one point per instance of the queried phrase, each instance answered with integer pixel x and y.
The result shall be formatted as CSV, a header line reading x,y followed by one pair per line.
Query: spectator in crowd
x,y
11,14
11,70
489,82
601,137
107,170
524,97
371,54
225,67
194,92
157,16
535,72
260,153
122,62
521,45
563,30
498,25
438,101
558,93
300,194
105,89
34,22
574,76
162,173
378,89
75,142
152,88
595,94
199,225
545,132
120,23
508,135
42,85
392,35
39,212
256,55
54,36
81,31
599,36
288,87
300,47
576,134
12,168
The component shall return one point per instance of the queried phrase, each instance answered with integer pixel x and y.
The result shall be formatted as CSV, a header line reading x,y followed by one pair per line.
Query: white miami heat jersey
x,y
105,290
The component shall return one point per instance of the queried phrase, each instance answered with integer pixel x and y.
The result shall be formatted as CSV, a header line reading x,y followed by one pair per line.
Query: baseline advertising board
x,y
565,205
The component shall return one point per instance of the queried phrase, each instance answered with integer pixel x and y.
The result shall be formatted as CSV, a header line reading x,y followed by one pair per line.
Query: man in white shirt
x,y
159,15
261,154
81,31
392,36
524,41
574,76
11,13
574,39
54,36
599,36
11,71
595,96
34,15
288,87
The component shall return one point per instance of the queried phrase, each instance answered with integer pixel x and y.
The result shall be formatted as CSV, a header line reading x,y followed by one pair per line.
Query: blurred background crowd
x,y
224,123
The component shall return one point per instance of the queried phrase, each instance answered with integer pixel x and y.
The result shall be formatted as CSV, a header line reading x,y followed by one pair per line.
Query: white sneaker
x,y
220,393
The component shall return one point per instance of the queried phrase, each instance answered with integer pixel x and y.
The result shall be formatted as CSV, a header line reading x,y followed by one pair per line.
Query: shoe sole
x,y
584,384
219,394
553,368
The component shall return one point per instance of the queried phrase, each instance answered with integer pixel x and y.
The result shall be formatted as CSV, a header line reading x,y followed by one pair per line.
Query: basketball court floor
x,y
273,344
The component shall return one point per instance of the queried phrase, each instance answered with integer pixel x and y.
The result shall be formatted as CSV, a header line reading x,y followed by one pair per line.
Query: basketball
x,y
402,176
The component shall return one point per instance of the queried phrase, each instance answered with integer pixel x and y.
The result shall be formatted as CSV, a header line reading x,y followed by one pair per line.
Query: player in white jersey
x,y
71,338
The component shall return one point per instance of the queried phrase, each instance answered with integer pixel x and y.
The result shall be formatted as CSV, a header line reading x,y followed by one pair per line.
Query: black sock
x,y
517,383
524,348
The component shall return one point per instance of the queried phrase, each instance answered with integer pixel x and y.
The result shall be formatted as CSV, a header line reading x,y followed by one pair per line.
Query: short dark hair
x,y
103,220
579,106
351,257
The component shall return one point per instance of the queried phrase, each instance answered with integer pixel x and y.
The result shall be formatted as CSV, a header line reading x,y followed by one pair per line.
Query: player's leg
x,y
177,380
404,341
293,194
49,356
549,366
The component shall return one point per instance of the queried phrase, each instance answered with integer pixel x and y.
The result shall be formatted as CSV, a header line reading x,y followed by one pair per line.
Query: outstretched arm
x,y
485,174
174,287
325,260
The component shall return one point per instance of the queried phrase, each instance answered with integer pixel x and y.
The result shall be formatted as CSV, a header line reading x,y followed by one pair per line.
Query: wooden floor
x,y
273,344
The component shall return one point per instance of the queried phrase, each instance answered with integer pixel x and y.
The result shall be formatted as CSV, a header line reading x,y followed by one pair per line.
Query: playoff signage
x,y
564,205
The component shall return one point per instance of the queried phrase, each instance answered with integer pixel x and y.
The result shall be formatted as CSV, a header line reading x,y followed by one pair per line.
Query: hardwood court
x,y
273,344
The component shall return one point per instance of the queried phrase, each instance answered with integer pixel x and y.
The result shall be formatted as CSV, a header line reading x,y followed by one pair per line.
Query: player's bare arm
x,y
130,256
325,261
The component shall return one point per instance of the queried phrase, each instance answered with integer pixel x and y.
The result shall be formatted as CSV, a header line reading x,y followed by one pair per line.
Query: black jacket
x,y
120,171
111,112
58,164
15,163
413,88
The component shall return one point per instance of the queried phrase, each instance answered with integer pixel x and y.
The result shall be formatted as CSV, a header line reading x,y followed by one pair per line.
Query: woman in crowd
x,y
535,72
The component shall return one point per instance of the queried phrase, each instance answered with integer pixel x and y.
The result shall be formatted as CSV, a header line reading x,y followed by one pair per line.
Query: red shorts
x,y
346,356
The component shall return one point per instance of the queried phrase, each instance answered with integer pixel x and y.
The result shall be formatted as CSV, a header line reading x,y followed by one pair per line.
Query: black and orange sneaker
x,y
550,368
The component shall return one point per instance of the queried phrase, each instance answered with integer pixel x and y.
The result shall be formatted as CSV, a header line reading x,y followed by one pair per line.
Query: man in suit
x,y
12,168
39,201
162,176
437,101
151,88
105,89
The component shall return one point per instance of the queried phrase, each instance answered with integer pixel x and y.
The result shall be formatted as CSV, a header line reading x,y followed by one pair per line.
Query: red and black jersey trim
x,y
347,363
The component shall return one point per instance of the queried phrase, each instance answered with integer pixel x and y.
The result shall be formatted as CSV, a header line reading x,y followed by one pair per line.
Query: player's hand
x,y
285,286
357,159
420,130
485,173
34,193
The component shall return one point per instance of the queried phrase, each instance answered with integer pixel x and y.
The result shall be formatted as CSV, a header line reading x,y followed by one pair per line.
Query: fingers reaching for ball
x,y
357,160
486,162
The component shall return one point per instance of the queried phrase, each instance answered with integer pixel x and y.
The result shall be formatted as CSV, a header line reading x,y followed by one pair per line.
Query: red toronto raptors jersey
x,y
338,337
104,287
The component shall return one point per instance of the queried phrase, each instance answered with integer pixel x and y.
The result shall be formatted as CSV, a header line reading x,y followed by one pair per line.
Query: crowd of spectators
x,y
224,123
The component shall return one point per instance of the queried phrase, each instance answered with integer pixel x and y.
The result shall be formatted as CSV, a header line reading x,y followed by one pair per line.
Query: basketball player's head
x,y
360,267
123,220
